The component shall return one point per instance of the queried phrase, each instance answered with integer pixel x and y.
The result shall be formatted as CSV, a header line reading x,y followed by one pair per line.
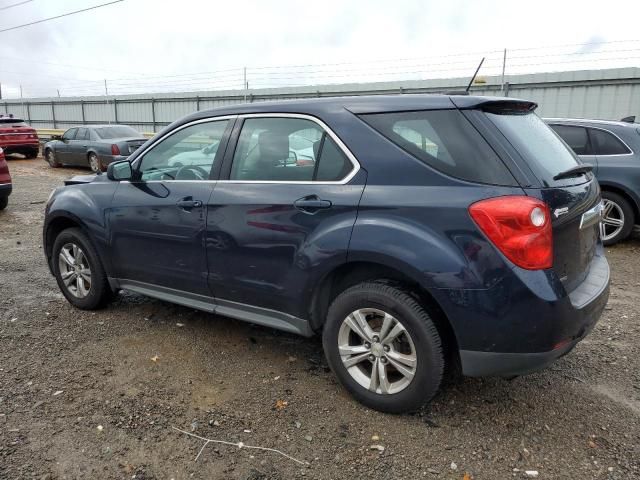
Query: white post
x,y
504,64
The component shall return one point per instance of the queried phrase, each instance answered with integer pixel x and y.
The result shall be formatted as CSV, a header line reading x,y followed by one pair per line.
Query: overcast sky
x,y
181,45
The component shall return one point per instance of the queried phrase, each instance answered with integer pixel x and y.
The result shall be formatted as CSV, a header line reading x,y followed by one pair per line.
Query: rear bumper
x,y
5,190
535,329
21,147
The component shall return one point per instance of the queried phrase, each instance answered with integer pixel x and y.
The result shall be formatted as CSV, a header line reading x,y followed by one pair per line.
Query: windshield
x,y
541,148
120,131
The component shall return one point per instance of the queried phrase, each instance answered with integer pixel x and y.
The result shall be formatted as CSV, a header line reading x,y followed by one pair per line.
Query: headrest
x,y
274,146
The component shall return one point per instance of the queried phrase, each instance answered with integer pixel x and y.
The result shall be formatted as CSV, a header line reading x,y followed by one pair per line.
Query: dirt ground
x,y
97,394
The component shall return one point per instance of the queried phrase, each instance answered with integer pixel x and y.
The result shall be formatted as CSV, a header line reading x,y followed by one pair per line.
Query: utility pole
x,y
106,99
245,84
504,64
22,100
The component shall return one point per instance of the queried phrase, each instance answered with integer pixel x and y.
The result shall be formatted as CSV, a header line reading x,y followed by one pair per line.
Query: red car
x,y
5,182
18,137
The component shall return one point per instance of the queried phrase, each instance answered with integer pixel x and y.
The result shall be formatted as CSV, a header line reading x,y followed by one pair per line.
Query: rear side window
x,y
83,134
446,141
575,137
605,143
543,151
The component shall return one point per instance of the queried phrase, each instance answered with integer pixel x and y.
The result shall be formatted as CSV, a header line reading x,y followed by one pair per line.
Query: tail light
x,y
115,150
5,176
520,227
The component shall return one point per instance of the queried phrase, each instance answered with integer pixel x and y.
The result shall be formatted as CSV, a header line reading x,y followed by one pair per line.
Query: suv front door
x,y
281,215
158,219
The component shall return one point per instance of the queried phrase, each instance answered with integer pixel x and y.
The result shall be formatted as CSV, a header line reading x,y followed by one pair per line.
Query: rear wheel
x,y
383,347
78,270
94,163
617,218
50,157
32,154
4,201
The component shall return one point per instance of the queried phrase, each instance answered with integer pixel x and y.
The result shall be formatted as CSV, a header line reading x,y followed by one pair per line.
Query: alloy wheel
x,y
94,163
612,221
74,270
377,351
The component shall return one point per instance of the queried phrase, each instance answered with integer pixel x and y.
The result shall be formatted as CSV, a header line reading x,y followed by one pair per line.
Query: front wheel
x,y
78,270
383,347
50,157
617,218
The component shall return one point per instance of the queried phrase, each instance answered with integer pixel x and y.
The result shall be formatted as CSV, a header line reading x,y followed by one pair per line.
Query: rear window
x,y
540,147
116,132
446,141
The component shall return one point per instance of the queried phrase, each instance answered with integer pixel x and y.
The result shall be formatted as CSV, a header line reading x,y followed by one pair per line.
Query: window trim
x,y
137,162
345,150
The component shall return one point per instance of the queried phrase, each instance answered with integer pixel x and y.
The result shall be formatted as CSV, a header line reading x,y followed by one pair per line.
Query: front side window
x,y
605,143
575,137
444,140
188,154
287,150
69,134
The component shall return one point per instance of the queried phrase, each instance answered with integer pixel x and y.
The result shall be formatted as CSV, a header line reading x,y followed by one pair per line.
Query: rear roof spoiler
x,y
503,106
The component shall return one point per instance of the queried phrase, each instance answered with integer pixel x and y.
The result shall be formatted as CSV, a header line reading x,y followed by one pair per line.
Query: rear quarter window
x,y
444,140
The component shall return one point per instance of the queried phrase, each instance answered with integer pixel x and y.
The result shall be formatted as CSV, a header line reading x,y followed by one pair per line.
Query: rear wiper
x,y
574,171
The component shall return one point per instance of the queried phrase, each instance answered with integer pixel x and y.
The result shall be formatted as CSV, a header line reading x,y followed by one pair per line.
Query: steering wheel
x,y
191,172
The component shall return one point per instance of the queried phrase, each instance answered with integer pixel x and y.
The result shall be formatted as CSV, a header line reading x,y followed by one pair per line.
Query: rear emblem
x,y
560,211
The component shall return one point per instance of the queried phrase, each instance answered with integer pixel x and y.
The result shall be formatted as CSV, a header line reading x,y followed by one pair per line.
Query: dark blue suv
x,y
421,234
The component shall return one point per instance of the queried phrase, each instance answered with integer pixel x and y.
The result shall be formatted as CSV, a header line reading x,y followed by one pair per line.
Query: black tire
x,y
50,157
4,201
430,364
99,293
32,154
629,218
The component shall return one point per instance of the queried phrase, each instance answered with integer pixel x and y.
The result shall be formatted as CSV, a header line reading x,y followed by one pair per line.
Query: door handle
x,y
311,204
188,203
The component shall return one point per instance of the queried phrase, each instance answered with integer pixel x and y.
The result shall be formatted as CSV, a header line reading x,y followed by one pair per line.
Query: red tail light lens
x,y
115,150
520,227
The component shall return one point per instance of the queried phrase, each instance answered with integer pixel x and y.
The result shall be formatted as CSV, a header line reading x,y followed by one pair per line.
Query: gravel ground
x,y
96,394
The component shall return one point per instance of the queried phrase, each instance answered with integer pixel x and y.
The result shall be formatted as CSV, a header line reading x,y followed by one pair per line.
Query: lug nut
x,y
383,360
367,345
386,348
376,339
371,358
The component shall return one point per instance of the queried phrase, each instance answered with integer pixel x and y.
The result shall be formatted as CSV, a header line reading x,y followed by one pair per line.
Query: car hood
x,y
82,179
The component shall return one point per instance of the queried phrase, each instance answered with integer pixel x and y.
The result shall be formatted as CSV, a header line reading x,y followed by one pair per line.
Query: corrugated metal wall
x,y
605,94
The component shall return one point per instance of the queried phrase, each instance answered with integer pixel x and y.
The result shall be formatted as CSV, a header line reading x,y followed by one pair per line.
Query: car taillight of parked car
x,y
520,227
115,150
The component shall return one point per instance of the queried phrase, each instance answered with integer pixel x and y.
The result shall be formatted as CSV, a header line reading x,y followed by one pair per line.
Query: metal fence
x,y
603,94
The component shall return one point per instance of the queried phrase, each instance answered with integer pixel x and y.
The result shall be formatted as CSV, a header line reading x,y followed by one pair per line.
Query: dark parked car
x,y
613,149
95,146
18,137
5,181
418,233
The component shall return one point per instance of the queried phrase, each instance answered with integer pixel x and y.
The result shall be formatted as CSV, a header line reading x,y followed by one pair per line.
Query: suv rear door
x,y
285,203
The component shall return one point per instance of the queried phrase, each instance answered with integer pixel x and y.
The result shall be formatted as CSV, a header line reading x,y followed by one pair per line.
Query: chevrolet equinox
x,y
418,234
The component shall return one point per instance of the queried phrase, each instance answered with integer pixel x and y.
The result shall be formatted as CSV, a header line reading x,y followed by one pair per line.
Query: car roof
x,y
359,104
589,121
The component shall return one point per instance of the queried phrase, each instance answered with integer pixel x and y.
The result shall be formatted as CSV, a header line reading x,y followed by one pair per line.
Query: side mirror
x,y
119,171
56,137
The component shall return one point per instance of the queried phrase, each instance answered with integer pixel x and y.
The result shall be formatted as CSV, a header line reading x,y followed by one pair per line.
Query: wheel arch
x,y
352,273
626,194
55,225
